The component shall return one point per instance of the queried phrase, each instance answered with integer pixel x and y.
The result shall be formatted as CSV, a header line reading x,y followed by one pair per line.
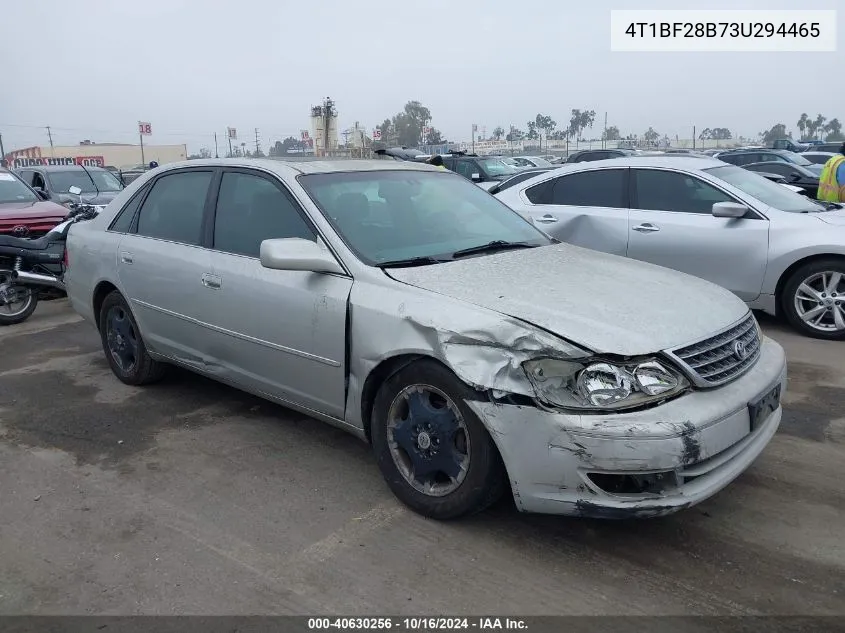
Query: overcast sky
x,y
92,69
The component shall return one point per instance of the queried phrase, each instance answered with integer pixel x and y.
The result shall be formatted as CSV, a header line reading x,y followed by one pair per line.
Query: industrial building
x,y
119,155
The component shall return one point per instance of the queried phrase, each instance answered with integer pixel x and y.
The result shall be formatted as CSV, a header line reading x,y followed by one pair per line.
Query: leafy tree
x,y
802,124
545,125
777,131
406,127
498,132
716,134
833,128
515,135
611,134
532,133
650,135
434,138
258,153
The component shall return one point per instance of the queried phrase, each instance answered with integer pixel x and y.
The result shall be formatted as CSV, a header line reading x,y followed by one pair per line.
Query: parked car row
x,y
472,350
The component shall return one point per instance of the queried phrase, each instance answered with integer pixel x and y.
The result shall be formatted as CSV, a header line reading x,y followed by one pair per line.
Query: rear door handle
x,y
126,258
211,281
646,228
546,219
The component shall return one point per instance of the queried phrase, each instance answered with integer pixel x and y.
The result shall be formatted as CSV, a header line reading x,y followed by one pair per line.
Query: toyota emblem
x,y
20,231
739,350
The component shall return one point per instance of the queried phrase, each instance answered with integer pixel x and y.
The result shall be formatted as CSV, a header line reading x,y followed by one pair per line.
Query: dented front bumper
x,y
641,464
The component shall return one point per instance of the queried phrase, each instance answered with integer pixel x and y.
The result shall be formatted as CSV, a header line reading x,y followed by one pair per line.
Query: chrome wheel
x,y
820,301
428,440
14,300
121,338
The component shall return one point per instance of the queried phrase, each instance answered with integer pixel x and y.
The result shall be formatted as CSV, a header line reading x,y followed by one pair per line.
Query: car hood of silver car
x,y
606,303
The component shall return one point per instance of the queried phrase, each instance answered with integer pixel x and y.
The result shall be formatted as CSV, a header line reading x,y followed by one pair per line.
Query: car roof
x,y
285,167
675,161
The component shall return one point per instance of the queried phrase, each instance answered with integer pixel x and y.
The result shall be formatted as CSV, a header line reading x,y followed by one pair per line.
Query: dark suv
x,y
586,155
485,171
99,186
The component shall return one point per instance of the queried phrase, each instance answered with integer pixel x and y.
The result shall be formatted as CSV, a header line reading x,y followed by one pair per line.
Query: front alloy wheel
x,y
814,299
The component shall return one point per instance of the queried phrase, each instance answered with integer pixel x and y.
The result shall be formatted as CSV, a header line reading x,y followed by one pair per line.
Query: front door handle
x,y
546,219
646,228
126,258
211,281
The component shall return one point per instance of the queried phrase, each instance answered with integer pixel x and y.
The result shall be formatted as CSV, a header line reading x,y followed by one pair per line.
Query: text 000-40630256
x,y
723,31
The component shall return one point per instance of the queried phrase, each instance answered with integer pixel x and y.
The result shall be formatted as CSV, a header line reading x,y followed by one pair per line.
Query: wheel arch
x,y
101,291
790,270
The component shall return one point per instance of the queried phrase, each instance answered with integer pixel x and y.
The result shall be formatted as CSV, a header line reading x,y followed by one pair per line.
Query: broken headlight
x,y
600,385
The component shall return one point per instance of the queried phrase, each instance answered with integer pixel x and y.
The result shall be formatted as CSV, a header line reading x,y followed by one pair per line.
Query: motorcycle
x,y
34,269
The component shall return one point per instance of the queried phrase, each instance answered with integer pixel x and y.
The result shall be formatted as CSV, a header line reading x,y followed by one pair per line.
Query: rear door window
x,y
175,207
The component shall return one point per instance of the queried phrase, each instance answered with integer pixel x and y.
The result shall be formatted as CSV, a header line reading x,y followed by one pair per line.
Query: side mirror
x,y
74,190
475,177
41,193
729,210
294,253
794,176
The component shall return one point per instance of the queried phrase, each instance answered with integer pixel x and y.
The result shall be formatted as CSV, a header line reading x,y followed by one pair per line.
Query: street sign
x,y
233,133
376,135
475,127
144,128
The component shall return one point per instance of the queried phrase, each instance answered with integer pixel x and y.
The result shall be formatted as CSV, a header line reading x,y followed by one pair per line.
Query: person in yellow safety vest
x,y
437,161
832,179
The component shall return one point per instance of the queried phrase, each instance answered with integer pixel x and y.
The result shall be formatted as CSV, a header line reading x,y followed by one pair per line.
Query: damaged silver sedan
x,y
406,305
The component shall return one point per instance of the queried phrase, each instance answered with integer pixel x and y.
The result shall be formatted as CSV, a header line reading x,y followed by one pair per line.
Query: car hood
x,y
832,217
31,210
102,198
606,303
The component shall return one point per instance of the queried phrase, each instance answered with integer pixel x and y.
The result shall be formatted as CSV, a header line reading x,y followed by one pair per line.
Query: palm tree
x,y
819,122
802,124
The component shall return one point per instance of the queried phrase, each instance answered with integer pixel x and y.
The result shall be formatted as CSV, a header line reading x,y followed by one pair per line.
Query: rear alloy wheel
x,y
125,350
434,452
814,299
17,303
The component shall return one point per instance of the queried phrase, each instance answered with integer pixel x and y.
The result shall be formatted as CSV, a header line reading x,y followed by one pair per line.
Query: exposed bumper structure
x,y
643,464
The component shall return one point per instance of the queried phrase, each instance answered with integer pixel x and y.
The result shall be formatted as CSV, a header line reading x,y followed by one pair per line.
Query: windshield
x,y
385,216
61,181
764,190
12,189
540,162
497,167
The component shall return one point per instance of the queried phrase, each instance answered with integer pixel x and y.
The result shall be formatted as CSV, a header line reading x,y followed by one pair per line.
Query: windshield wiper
x,y
411,261
491,247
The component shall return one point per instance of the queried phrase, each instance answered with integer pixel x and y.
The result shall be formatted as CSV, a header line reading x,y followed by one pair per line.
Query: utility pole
x,y
231,155
2,152
50,136
257,142
693,137
216,153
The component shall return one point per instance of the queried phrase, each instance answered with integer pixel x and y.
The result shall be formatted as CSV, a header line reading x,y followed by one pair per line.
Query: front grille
x,y
717,360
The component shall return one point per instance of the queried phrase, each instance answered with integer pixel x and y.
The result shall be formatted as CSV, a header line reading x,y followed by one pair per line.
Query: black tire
x,y
485,478
143,370
22,316
788,295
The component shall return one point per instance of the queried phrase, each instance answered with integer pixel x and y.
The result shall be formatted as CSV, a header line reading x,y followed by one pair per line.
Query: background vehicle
x,y
23,211
744,157
531,161
348,270
818,158
586,155
777,250
790,145
401,153
99,186
796,175
525,174
484,171
33,269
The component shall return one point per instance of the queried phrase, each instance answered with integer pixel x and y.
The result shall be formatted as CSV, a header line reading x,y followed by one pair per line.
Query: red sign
x,y
376,134
144,129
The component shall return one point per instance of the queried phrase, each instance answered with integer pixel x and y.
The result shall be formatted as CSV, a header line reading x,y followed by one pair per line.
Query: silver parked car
x,y
778,251
406,305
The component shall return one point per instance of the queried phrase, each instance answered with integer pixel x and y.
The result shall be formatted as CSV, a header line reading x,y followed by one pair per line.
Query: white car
x,y
778,251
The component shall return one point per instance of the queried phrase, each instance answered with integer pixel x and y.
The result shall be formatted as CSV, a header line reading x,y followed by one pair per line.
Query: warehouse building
x,y
87,153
